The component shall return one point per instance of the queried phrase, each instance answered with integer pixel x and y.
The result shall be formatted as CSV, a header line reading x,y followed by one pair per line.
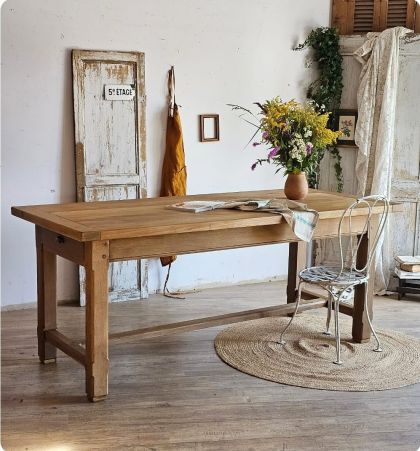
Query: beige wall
x,y
224,51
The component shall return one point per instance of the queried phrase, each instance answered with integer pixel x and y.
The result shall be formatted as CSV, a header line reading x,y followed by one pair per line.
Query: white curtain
x,y
376,99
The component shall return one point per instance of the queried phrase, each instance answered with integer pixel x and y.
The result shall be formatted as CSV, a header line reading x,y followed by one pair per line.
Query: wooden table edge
x,y
81,233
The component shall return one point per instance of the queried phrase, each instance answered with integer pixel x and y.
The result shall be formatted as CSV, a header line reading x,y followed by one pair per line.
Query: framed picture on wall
x,y
209,127
345,121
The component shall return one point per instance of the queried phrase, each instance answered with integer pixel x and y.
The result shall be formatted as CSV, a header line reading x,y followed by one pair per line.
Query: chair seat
x,y
325,275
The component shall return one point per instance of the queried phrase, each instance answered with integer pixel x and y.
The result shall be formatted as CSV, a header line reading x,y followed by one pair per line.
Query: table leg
x,y
47,298
297,262
401,285
361,330
97,262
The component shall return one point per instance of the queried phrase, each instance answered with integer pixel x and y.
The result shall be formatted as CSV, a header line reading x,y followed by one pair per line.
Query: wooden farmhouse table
x,y
96,233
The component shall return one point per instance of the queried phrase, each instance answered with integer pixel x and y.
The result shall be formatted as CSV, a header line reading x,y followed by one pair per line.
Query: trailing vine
x,y
326,90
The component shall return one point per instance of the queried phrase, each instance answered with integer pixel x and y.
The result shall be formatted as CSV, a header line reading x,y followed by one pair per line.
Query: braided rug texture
x,y
307,358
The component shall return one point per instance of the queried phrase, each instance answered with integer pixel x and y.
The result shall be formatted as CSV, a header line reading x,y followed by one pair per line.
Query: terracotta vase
x,y
296,187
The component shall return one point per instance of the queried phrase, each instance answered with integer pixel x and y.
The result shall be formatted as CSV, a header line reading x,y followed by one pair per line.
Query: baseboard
x,y
28,305
181,290
205,286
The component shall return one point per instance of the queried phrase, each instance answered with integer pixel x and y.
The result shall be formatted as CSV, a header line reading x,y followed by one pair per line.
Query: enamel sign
x,y
119,92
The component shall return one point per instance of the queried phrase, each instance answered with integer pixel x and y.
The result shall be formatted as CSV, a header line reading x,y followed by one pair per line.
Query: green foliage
x,y
326,90
337,166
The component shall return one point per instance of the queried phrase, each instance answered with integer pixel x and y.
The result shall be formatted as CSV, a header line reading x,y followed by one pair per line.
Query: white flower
x,y
298,149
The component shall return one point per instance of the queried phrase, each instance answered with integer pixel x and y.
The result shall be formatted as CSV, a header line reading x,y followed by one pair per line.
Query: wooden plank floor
x,y
174,393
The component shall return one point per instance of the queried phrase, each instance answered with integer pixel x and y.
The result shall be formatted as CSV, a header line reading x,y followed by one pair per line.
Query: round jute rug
x,y
307,358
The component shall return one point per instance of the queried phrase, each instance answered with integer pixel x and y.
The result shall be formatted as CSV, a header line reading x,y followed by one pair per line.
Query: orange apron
x,y
174,171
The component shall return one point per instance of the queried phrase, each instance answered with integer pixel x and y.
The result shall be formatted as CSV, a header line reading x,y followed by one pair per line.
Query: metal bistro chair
x,y
339,280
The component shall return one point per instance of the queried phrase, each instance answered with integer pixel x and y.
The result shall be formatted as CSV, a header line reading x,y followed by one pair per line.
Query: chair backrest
x,y
372,203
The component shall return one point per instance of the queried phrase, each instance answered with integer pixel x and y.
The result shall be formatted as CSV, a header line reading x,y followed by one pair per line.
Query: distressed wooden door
x,y
404,227
110,146
406,163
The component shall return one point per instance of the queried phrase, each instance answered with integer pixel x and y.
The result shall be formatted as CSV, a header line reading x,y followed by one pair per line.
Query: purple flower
x,y
309,148
256,144
265,135
254,166
273,152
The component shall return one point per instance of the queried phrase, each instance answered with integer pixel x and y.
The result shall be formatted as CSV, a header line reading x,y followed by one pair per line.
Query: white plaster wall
x,y
224,51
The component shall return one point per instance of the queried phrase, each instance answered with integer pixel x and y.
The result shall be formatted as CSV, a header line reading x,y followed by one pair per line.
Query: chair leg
x,y
299,293
330,299
337,328
378,344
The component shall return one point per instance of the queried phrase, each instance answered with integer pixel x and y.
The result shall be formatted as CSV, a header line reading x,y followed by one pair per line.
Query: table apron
x,y
63,246
212,240
191,242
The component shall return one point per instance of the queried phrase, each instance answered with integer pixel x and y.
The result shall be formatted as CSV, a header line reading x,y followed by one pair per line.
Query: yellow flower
x,y
291,117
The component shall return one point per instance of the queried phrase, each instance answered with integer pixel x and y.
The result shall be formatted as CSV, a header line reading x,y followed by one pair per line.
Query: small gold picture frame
x,y
209,127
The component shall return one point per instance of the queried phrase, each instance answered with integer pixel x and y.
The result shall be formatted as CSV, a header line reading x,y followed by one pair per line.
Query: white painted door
x,y
110,146
404,227
406,163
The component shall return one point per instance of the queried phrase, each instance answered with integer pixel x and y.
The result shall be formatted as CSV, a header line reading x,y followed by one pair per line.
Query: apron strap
x,y
171,90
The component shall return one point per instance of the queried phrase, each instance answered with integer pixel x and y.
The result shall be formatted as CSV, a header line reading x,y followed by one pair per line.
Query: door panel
x,y
110,147
111,140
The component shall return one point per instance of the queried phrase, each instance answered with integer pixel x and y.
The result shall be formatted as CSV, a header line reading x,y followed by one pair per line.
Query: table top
x,y
89,221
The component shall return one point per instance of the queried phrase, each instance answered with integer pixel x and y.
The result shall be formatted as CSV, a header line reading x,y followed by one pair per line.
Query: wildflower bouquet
x,y
294,133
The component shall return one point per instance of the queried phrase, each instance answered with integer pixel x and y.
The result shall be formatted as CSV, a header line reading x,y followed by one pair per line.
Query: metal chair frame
x,y
337,286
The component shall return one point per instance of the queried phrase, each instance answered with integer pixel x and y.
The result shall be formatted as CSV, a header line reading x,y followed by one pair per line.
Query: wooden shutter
x,y
343,15
397,13
362,16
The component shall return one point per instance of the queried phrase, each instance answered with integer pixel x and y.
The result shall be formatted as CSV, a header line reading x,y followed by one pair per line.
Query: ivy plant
x,y
326,90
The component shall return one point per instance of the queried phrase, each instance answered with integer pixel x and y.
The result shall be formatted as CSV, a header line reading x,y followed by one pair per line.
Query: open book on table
x,y
198,206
